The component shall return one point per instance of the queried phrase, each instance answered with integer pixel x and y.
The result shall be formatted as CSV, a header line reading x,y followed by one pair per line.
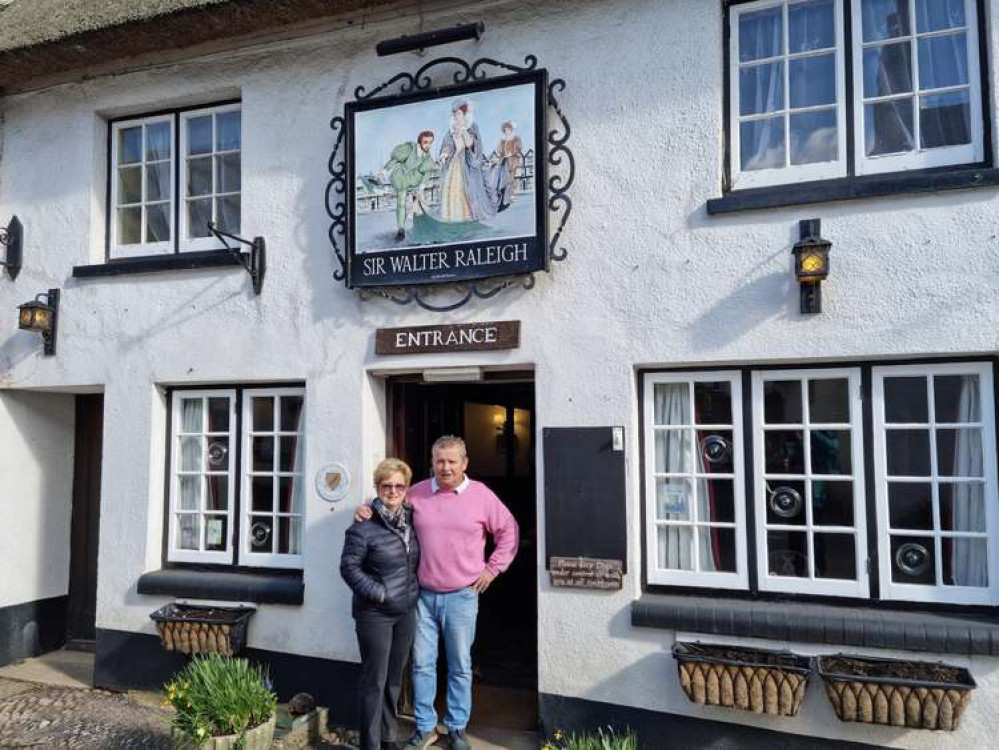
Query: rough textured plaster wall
x,y
651,280
36,495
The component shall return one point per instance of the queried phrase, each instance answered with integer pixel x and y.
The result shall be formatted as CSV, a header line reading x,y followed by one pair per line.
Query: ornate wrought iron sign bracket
x,y
255,262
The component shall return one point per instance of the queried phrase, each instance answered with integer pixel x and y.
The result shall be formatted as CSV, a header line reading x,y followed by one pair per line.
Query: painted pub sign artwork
x,y
448,184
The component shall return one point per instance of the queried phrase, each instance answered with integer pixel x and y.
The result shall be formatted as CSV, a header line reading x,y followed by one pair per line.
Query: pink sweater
x,y
452,527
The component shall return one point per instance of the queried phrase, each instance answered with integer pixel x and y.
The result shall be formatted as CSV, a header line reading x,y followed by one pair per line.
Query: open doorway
x,y
496,420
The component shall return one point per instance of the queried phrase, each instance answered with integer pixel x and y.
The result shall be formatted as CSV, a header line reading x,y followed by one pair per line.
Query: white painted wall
x,y
650,280
36,494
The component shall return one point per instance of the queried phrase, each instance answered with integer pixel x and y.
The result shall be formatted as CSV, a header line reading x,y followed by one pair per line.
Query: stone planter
x,y
898,693
258,738
750,679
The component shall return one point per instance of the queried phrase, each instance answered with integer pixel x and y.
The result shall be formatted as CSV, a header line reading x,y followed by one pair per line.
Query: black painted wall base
x,y
32,628
138,660
661,731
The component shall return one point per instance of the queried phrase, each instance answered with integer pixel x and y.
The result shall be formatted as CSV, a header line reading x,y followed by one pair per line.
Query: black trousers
x,y
385,642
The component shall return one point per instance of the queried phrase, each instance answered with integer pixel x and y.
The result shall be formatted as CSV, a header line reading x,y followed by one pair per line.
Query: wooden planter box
x,y
751,679
200,630
898,693
259,738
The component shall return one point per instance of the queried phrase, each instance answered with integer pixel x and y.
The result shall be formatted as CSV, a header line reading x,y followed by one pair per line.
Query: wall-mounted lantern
x,y
811,265
12,238
41,317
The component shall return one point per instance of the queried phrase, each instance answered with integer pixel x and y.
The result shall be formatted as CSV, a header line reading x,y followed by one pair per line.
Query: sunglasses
x,y
392,487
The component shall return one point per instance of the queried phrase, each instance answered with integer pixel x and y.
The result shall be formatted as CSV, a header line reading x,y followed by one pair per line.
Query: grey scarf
x,y
397,522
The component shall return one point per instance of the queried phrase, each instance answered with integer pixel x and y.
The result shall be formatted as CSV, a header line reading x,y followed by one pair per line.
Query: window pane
x,y
263,454
787,554
228,214
888,127
831,452
130,145
216,533
908,453
261,533
713,403
290,495
785,503
813,137
813,81
910,506
158,182
673,499
832,503
905,400
887,69
811,26
761,34
199,213
129,226
190,493
673,451
676,547
191,415
289,444
959,452
158,222
714,452
943,61
761,89
884,19
291,411
717,550
956,398
912,560
227,128
199,176
962,506
715,500
218,454
761,143
129,185
227,173
218,415
829,401
965,562
784,452
218,492
936,15
672,404
263,494
782,402
188,531
263,414
158,141
288,536
945,119
191,454
835,556
199,135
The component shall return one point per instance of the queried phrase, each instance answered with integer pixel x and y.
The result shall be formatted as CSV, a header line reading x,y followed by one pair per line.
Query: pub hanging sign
x,y
448,184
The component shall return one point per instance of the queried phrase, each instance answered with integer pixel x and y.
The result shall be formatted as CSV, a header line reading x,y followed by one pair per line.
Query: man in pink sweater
x,y
452,515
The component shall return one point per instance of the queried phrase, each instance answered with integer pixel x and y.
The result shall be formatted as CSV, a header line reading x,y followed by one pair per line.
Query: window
x,y
236,474
914,100
932,464
147,176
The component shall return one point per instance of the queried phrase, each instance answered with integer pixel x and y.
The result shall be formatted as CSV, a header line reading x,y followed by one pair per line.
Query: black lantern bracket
x,y
559,202
255,262
12,238
811,265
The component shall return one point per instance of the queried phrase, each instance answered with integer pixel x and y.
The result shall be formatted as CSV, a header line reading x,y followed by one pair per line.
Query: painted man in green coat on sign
x,y
409,166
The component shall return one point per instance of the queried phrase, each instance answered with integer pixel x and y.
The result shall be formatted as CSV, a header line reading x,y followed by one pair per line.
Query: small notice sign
x,y
586,573
460,337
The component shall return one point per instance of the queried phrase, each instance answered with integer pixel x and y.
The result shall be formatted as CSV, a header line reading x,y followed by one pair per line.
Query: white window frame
x,y
919,158
860,587
200,556
116,248
204,243
938,593
740,578
789,173
269,559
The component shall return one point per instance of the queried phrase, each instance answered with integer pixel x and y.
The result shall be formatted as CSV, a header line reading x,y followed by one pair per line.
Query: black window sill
x,y
942,633
853,188
154,263
263,587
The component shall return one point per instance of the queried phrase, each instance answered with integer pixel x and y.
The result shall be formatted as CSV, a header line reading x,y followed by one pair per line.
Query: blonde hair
x,y
449,441
390,466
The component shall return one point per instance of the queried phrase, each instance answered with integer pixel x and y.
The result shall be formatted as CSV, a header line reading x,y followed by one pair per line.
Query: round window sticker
x,y
333,482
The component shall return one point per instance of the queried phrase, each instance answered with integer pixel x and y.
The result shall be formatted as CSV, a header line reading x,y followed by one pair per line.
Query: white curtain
x,y
671,407
761,90
969,559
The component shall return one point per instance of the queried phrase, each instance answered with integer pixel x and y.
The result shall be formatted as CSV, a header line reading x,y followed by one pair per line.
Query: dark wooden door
x,y
82,606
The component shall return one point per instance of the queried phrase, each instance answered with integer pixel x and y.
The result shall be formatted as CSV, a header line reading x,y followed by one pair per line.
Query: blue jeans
x,y
453,615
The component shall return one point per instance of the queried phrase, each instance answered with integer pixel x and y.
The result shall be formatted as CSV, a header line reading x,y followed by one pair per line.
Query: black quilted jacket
x,y
378,569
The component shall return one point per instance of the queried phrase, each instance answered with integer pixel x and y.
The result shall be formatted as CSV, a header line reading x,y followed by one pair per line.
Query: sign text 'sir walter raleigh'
x,y
460,337
586,573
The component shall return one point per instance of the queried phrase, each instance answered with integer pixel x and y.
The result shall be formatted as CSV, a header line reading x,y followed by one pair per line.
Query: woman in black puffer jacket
x,y
379,563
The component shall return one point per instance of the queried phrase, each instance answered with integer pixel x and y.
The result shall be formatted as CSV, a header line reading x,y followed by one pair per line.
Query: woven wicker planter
x,y
915,694
201,630
752,679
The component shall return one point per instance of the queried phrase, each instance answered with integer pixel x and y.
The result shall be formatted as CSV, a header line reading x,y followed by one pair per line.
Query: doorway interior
x,y
496,420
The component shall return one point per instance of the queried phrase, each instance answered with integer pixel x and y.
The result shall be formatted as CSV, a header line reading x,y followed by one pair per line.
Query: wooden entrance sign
x,y
459,337
586,573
